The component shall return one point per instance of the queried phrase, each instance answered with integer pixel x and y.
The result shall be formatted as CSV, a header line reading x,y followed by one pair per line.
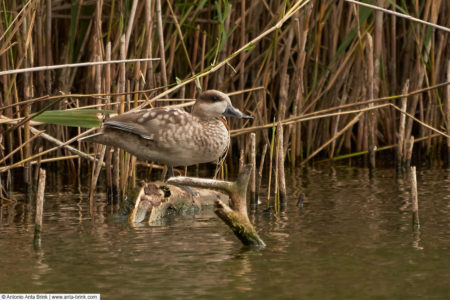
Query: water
x,y
351,240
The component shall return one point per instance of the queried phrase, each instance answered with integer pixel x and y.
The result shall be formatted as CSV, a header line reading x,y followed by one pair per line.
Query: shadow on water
x,y
352,238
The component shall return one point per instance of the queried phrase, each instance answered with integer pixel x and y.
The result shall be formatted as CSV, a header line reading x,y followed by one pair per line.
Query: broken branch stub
x,y
235,215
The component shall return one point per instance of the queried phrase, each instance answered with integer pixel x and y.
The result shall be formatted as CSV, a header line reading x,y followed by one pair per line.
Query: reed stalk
x,y
431,24
272,146
97,165
280,166
401,149
253,197
39,207
276,189
370,89
161,44
301,63
414,199
448,113
336,126
409,152
260,175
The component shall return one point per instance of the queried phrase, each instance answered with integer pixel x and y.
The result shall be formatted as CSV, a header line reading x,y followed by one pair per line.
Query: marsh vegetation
x,y
334,76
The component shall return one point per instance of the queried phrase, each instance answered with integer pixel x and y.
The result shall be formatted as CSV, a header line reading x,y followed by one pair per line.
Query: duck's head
x,y
212,104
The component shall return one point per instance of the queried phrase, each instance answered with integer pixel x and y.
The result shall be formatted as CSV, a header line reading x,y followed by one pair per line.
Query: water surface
x,y
353,239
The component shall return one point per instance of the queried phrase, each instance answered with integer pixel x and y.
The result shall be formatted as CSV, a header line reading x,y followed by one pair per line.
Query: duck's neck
x,y
204,118
196,112
201,116
217,122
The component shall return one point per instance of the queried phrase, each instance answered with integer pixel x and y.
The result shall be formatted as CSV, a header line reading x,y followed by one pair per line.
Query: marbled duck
x,y
172,136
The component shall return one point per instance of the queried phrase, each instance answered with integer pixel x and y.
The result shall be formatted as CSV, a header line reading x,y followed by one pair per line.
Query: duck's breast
x,y
193,141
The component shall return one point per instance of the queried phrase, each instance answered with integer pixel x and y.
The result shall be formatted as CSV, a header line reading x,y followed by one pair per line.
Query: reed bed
x,y
339,79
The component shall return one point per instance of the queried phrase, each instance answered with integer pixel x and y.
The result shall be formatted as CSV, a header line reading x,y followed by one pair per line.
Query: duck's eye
x,y
214,98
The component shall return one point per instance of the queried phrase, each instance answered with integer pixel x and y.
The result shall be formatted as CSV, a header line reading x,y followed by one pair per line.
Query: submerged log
x,y
235,214
158,199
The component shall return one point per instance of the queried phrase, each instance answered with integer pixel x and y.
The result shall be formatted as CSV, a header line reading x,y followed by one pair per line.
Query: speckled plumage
x,y
172,136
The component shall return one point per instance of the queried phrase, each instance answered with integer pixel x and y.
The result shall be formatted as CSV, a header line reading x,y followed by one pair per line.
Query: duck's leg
x,y
188,189
169,172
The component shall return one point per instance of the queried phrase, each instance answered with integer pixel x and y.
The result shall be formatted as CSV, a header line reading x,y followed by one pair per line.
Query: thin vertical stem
x,y
242,57
148,66
130,24
202,62
192,90
27,92
223,46
281,174
39,208
377,48
371,114
180,35
97,165
121,81
260,172
448,111
401,132
409,151
276,189
48,44
336,125
272,143
415,199
161,44
253,198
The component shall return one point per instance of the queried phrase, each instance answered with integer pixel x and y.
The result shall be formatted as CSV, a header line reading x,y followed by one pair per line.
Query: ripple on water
x,y
350,240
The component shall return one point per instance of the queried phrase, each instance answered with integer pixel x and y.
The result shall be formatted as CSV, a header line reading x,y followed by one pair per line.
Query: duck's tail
x,y
91,138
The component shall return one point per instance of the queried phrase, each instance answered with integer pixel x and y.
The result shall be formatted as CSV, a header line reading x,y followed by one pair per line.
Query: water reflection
x,y
41,268
352,238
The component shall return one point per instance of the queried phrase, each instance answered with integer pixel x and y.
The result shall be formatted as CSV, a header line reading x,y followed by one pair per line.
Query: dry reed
x,y
300,63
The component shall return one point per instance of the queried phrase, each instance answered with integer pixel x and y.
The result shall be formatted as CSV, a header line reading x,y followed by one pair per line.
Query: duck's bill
x,y
235,113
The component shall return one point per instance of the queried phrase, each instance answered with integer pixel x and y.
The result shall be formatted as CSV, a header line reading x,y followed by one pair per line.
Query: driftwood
x,y
235,214
158,199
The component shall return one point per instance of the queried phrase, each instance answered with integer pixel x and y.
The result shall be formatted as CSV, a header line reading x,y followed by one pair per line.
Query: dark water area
x,y
352,239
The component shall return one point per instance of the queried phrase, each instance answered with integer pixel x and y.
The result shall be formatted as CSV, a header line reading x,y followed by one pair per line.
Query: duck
x,y
172,136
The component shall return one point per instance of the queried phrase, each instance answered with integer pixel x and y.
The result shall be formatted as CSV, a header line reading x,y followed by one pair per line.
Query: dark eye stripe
x,y
210,97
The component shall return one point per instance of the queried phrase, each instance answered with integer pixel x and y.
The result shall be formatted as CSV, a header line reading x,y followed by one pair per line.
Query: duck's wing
x,y
146,123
